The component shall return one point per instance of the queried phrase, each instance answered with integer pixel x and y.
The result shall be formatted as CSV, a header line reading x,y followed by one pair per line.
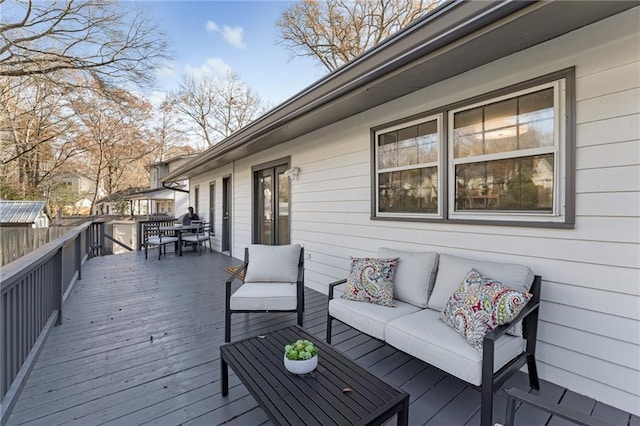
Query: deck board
x,y
102,366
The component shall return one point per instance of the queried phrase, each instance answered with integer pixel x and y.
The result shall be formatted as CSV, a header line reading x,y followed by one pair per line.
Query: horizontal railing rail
x,y
33,290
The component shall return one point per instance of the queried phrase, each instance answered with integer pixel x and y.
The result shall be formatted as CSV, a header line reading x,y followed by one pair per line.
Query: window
x,y
212,206
407,160
501,157
196,201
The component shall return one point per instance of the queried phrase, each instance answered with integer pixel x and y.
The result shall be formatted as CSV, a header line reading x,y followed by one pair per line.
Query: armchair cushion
x,y
371,280
264,297
275,264
479,305
415,275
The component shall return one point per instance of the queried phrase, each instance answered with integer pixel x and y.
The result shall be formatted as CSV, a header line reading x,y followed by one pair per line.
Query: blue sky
x,y
240,35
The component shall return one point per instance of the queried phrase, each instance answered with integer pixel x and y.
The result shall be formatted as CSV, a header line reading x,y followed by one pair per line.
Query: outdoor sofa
x,y
423,287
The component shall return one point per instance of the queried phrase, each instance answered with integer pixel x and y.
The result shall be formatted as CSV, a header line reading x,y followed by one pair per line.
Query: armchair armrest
x,y
243,267
514,395
333,284
494,334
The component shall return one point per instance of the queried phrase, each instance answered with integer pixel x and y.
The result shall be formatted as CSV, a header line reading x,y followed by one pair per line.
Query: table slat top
x,y
339,391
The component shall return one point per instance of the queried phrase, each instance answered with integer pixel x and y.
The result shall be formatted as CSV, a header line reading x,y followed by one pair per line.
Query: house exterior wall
x,y
589,335
203,181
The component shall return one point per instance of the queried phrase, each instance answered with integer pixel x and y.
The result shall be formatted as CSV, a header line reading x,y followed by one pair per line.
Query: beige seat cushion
x,y
264,297
369,318
425,337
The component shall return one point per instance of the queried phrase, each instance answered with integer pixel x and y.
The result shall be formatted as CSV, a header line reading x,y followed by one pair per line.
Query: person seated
x,y
187,218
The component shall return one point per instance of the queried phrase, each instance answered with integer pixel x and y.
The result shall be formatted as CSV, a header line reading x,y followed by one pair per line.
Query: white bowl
x,y
303,366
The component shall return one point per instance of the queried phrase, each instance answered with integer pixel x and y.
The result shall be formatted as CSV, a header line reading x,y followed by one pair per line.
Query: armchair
x,y
200,238
153,236
274,281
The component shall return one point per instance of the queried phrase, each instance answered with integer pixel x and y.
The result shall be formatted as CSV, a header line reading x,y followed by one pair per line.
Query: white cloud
x,y
156,98
215,66
167,70
232,35
212,26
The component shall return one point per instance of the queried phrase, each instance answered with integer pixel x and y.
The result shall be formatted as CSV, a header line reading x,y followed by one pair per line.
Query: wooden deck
x,y
139,344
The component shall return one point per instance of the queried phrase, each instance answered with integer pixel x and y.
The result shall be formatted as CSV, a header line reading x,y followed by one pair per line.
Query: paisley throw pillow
x,y
371,280
479,305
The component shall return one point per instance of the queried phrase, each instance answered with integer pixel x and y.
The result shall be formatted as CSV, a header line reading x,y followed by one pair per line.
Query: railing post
x,y
139,234
103,229
57,284
78,250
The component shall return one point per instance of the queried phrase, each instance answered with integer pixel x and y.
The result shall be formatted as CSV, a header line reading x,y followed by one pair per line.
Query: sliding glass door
x,y
271,212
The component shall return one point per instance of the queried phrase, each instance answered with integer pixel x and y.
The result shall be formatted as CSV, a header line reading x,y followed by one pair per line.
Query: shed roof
x,y
20,211
454,38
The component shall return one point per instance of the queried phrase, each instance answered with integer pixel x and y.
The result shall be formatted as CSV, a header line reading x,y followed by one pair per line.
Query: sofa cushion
x,y
371,280
273,263
479,305
423,336
368,317
453,269
265,297
415,275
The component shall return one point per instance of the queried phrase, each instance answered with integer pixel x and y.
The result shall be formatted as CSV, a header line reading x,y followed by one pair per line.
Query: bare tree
x,y
100,40
36,132
169,134
216,107
336,31
116,140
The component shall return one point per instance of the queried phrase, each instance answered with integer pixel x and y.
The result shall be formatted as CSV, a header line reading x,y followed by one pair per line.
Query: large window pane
x,y
467,133
536,119
409,191
409,146
519,184
387,155
522,122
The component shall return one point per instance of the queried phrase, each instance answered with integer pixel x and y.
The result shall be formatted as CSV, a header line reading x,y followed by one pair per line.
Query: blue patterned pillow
x,y
371,280
479,305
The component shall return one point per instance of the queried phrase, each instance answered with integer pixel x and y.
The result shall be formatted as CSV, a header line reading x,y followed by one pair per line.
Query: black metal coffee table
x,y
338,392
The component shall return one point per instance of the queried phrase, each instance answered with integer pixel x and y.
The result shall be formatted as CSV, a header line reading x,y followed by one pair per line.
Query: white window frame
x,y
558,149
439,164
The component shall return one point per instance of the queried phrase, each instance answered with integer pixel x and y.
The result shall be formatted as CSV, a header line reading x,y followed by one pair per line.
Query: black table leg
x,y
403,414
224,372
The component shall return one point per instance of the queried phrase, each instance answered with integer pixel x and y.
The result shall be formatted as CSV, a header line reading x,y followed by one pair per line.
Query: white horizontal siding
x,y
589,335
613,130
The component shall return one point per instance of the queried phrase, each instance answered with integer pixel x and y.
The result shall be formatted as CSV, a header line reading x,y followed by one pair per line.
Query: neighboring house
x,y
80,189
23,214
504,131
172,198
118,203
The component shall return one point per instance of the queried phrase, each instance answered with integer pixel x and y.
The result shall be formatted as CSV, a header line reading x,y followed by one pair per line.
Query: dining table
x,y
178,230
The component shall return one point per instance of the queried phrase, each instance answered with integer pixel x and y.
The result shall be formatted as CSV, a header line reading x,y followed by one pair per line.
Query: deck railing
x,y
33,290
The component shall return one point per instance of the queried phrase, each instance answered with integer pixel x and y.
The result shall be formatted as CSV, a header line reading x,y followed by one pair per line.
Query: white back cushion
x,y
273,263
415,275
452,270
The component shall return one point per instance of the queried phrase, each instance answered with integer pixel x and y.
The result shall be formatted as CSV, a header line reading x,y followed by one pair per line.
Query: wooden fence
x,y
33,290
17,242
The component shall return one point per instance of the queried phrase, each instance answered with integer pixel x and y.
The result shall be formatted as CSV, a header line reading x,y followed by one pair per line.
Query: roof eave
x,y
425,53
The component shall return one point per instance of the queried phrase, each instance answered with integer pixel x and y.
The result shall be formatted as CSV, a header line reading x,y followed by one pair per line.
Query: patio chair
x,y
200,237
273,281
153,236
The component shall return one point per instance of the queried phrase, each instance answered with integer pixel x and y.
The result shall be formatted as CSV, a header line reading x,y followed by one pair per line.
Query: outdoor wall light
x,y
292,173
